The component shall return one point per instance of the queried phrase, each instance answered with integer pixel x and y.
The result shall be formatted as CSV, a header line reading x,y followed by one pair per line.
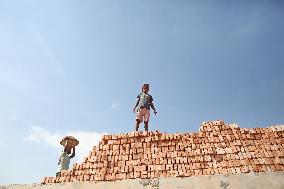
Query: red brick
x,y
137,174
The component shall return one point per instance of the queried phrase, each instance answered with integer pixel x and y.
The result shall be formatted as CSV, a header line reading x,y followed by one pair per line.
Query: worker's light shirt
x,y
64,162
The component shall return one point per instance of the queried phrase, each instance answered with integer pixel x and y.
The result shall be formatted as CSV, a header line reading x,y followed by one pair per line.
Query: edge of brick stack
x,y
217,149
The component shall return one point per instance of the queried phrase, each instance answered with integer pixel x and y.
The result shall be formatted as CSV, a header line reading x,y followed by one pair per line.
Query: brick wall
x,y
218,148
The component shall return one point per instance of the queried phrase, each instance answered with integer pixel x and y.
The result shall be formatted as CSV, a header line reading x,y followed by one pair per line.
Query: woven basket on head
x,y
69,141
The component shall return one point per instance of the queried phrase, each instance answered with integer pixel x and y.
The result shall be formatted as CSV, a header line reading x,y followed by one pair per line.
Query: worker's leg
x,y
146,125
146,119
137,124
139,118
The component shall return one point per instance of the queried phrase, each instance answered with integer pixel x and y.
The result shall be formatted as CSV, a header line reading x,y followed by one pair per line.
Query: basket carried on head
x,y
69,141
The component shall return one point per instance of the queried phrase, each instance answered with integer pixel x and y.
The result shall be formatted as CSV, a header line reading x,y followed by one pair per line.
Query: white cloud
x,y
114,105
87,140
41,135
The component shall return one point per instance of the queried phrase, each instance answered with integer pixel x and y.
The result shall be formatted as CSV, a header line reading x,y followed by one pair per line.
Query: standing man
x,y
142,107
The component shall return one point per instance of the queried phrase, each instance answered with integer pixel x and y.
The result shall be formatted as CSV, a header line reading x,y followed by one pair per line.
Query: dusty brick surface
x,y
217,149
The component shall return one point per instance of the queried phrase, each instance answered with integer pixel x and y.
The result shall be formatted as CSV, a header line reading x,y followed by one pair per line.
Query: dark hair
x,y
145,86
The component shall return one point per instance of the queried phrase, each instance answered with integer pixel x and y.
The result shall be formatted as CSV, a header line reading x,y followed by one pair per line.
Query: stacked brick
x,y
218,148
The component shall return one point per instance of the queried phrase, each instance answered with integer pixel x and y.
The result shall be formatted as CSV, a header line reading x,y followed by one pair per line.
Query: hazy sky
x,y
76,67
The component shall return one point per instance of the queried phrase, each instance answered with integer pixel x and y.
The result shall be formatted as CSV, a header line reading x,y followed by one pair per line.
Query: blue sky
x,y
77,66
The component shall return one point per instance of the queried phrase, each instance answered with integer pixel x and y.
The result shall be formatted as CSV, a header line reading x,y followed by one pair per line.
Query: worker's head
x,y
67,149
145,88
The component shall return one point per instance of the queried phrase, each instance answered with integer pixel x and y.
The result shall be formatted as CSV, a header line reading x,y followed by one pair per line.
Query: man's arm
x,y
73,153
59,161
152,106
138,99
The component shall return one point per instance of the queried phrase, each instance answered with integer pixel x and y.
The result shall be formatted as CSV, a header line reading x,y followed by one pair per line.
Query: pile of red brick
x,y
218,148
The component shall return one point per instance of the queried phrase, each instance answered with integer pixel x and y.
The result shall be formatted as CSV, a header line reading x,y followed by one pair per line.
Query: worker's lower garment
x,y
143,114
